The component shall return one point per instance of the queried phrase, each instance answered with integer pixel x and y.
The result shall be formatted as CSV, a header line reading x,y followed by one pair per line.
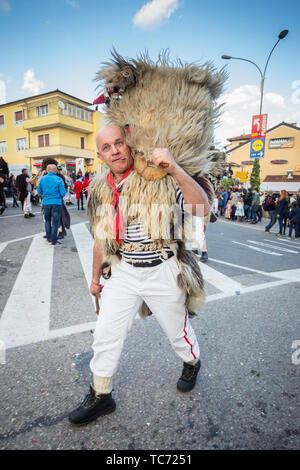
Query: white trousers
x,y
121,299
27,204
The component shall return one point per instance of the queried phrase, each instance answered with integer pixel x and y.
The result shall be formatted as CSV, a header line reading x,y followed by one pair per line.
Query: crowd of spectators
x,y
237,203
23,188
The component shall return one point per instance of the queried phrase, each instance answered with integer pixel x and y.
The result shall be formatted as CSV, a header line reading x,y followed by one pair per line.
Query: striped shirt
x,y
134,232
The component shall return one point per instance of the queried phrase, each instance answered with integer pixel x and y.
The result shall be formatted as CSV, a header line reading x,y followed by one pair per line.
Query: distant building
x,y
280,167
52,124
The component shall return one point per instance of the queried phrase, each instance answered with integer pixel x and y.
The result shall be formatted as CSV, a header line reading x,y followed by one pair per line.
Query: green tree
x,y
255,174
228,182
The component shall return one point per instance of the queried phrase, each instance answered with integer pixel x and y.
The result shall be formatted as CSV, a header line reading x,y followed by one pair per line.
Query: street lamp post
x,y
281,35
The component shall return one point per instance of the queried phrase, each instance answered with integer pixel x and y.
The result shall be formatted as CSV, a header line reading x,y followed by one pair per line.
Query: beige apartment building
x,y
280,167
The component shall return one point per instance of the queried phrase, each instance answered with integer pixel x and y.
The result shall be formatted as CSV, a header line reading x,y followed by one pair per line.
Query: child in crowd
x,y
78,186
239,211
228,210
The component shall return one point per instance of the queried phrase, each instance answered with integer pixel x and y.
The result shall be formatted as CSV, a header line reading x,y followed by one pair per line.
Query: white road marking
x,y
279,248
34,234
25,319
246,290
84,244
283,242
26,315
240,267
22,215
17,215
71,330
292,275
258,249
3,246
25,238
219,280
242,225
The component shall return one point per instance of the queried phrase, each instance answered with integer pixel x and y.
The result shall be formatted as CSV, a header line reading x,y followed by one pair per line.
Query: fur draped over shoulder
x,y
165,104
161,104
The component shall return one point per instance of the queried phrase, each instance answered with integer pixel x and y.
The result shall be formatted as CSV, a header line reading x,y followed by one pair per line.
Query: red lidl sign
x,y
259,126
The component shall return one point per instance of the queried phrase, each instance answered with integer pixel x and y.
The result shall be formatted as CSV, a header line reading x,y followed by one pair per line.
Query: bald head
x,y
108,132
52,168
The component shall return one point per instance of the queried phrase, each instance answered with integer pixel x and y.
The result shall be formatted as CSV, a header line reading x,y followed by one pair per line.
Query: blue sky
x,y
49,44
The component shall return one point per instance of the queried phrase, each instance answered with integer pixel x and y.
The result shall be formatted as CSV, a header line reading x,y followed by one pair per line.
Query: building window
x,y
2,121
41,110
3,147
71,110
78,112
44,140
19,116
21,144
82,142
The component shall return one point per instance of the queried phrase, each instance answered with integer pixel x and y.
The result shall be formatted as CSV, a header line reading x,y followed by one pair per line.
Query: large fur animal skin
x,y
172,105
165,104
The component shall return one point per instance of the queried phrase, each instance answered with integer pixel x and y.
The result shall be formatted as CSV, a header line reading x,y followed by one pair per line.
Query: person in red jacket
x,y
78,186
85,184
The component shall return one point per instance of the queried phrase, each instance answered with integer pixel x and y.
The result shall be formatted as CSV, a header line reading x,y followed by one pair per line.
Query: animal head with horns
x,y
164,104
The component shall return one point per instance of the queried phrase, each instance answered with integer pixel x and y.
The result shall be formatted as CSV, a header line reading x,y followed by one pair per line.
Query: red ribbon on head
x,y
118,222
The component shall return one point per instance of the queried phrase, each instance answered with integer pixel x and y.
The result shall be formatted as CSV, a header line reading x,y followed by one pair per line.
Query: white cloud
x,y
152,13
5,5
275,99
31,84
72,3
242,103
2,92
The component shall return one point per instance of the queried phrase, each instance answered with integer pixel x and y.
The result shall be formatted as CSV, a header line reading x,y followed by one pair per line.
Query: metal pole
x,y
263,78
262,75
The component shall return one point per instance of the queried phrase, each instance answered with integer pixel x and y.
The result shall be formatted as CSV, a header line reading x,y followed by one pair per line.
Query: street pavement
x,y
247,394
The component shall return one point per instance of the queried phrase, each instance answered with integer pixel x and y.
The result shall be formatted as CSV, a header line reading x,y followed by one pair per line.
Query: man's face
x,y
113,149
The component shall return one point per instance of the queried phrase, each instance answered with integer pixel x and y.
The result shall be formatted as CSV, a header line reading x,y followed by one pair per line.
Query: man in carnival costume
x,y
160,126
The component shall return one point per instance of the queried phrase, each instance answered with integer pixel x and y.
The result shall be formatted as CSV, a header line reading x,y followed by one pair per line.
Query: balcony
x,y
57,120
58,151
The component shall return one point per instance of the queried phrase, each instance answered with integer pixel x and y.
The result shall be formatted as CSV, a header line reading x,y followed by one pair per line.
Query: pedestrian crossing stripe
x,y
284,242
262,250
26,314
280,248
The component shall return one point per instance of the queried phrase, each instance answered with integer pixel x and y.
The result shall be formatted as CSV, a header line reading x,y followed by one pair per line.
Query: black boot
x,y
191,314
204,256
92,407
188,377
